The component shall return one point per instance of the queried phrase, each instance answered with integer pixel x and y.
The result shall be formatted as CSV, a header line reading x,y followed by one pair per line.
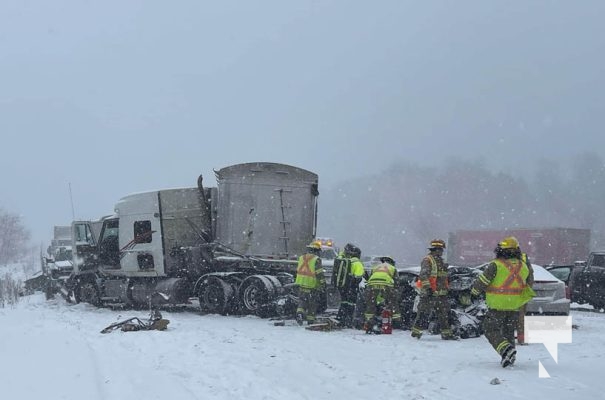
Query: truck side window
x,y
83,234
598,260
142,232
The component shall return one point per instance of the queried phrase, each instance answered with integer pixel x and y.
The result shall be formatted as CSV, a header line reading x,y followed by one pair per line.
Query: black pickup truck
x,y
588,281
585,281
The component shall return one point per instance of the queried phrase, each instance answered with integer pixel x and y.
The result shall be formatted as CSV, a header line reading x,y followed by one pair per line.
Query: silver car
x,y
550,294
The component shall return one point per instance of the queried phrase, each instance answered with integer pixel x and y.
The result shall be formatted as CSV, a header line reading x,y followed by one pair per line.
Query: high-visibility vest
x,y
382,275
508,290
305,271
435,273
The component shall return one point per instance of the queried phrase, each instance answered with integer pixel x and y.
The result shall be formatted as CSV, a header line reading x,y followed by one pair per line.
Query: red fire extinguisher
x,y
387,322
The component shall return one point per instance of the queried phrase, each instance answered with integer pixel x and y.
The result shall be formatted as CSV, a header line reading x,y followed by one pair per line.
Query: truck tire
x,y
87,292
215,296
257,295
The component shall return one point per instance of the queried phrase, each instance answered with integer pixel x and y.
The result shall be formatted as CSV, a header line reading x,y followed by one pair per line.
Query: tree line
x,y
14,238
399,210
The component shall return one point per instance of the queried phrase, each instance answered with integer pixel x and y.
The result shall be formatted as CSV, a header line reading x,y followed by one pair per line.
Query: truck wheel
x,y
89,293
215,296
257,293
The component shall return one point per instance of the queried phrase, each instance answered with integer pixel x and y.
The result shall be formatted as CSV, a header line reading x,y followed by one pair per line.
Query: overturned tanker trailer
x,y
233,246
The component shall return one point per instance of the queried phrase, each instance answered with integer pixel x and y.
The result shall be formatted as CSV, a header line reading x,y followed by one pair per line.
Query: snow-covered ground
x,y
53,350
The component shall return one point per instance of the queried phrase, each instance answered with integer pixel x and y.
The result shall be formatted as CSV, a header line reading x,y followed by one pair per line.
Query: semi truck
x,y
544,246
56,264
234,247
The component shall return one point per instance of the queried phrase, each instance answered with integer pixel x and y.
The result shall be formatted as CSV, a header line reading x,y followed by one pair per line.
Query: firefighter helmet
x,y
352,251
437,244
509,242
387,259
314,245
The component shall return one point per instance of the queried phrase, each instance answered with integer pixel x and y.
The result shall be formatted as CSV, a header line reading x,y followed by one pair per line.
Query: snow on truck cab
x,y
233,246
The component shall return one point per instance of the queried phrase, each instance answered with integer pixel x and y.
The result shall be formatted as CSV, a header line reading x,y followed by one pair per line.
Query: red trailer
x,y
544,246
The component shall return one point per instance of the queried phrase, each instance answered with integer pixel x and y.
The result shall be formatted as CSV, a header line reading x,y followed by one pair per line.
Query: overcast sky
x,y
115,97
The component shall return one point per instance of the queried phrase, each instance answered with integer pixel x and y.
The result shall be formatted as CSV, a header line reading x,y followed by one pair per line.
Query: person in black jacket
x,y
348,273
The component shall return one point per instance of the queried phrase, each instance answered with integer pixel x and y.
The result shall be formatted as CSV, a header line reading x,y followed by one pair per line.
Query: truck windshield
x,y
328,254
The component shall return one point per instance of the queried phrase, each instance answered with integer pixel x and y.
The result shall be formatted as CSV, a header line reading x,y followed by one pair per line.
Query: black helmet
x,y
388,260
352,251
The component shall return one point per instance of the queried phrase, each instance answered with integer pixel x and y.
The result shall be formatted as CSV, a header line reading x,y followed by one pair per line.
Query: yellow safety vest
x,y
305,272
508,290
382,275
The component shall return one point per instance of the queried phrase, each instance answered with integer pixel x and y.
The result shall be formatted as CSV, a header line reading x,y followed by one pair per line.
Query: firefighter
x,y
530,283
432,286
504,281
311,283
347,277
382,287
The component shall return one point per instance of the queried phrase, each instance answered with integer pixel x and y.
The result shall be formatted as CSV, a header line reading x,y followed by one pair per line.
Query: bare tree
x,y
9,290
14,237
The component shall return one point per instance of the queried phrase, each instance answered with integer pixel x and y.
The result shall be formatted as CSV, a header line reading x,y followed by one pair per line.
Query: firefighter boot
x,y
509,354
345,315
416,332
373,326
448,335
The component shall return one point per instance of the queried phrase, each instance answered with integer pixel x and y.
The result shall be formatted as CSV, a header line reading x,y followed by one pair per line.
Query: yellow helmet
x,y
314,245
509,242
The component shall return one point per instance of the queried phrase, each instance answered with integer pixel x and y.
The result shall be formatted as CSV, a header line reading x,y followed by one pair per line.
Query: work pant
x,y
388,296
441,306
521,325
499,327
348,297
307,303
